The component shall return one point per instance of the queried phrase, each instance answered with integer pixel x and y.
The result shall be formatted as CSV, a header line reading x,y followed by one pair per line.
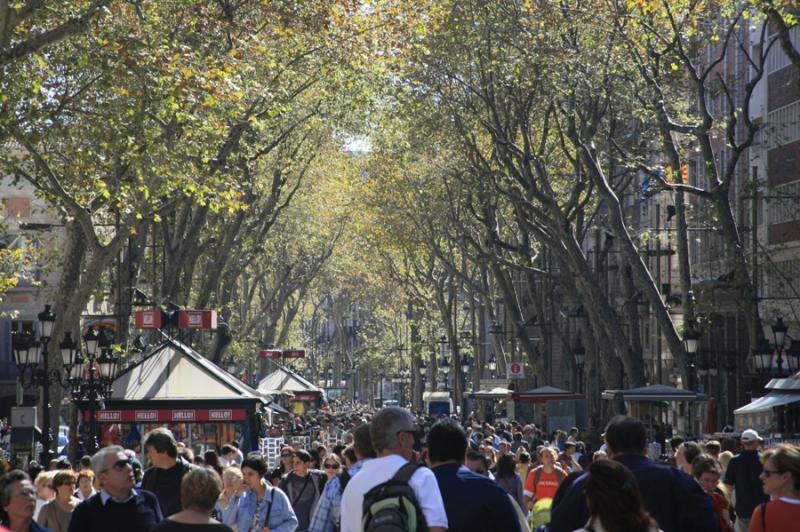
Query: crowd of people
x,y
396,469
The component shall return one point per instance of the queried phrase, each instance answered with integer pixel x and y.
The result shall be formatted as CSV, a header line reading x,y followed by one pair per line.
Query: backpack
x,y
537,474
540,515
392,505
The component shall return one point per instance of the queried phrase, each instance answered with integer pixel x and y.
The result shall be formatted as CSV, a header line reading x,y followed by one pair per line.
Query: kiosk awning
x,y
546,393
655,392
494,393
768,402
173,371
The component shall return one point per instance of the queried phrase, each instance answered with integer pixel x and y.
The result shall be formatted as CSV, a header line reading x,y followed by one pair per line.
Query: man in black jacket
x,y
471,501
118,506
671,496
166,472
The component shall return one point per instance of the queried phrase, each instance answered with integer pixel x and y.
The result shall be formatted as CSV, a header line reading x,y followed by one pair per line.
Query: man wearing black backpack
x,y
391,491
472,501
327,514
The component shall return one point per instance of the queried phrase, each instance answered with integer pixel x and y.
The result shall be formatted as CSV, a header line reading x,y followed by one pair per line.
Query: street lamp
x,y
770,359
31,359
579,354
444,365
691,340
465,365
492,364
93,383
779,332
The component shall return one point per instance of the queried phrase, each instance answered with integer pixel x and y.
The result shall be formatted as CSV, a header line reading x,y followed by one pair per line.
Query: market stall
x,y
658,405
176,387
550,407
776,412
292,390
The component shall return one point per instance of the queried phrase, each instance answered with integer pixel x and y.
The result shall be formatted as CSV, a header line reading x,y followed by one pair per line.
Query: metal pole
x,y
46,438
92,439
754,336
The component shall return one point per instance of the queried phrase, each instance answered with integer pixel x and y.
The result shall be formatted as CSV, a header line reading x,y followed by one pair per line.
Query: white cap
x,y
751,435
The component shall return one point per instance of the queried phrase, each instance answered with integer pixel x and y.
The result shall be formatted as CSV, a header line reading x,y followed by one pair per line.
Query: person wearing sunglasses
x,y
118,506
332,466
327,515
781,480
284,463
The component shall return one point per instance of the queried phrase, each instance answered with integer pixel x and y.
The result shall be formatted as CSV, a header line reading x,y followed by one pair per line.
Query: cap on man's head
x,y
750,436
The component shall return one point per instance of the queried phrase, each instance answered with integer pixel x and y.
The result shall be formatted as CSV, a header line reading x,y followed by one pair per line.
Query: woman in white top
x,y
614,501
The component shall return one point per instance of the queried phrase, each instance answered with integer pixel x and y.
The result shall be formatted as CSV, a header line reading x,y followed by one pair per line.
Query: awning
x,y
655,392
768,402
546,393
494,393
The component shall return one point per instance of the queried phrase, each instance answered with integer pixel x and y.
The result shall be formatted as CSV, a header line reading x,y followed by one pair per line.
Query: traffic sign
x,y
516,370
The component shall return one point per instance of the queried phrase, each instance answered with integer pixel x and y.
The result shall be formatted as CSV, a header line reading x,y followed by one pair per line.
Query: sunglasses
x,y
288,455
332,466
120,465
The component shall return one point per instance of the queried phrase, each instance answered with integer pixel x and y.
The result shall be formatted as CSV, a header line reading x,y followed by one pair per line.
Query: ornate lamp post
x,y
770,359
32,361
444,365
691,340
90,378
779,335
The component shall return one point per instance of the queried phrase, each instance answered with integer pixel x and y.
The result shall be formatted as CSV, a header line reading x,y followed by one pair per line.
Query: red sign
x,y
168,414
183,415
109,416
294,353
304,397
145,416
270,353
197,319
147,319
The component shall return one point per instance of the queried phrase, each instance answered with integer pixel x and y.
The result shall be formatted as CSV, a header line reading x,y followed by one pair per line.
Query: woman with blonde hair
x,y
44,490
781,480
332,466
232,490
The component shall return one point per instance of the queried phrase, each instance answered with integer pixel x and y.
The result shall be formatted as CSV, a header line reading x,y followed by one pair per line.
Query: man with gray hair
x,y
167,469
392,431
118,506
